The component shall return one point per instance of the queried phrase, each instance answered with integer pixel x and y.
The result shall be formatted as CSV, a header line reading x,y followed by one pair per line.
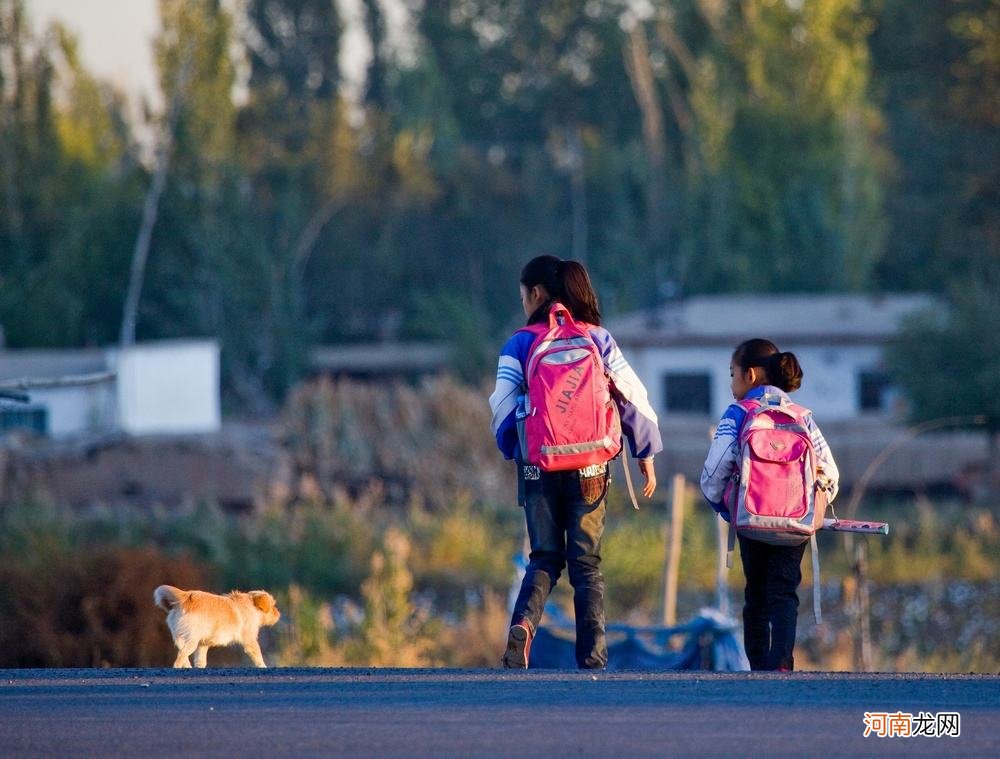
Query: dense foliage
x,y
679,147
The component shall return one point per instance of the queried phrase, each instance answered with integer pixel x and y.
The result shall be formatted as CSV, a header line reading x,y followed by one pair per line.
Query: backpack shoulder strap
x,y
749,405
800,411
628,476
817,611
559,314
537,331
533,329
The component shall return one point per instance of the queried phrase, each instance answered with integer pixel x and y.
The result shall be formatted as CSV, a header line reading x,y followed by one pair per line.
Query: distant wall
x,y
75,410
168,387
830,387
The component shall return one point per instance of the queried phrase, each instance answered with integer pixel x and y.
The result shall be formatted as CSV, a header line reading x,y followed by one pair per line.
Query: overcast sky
x,y
115,38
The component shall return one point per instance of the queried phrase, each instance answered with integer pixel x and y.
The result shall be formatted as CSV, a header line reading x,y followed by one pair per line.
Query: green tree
x,y
246,198
525,109
291,109
190,290
788,193
682,146
937,69
69,190
948,363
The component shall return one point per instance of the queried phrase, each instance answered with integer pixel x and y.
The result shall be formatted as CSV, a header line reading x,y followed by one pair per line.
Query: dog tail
x,y
167,596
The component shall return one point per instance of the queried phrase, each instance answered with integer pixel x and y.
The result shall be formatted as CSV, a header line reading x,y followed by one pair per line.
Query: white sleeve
x,y
826,468
720,462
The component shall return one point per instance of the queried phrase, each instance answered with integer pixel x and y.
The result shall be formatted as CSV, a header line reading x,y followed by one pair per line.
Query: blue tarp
x,y
712,640
709,641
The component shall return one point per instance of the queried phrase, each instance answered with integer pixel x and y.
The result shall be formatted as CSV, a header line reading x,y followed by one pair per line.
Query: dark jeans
x,y
771,608
565,530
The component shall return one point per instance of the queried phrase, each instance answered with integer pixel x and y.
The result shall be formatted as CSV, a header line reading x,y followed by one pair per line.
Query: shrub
x,y
429,442
93,609
462,547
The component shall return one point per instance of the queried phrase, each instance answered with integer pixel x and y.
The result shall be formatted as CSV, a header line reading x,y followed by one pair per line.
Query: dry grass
x,y
395,547
93,609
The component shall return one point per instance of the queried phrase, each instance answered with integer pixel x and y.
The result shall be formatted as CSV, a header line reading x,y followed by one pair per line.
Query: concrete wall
x,y
77,410
169,387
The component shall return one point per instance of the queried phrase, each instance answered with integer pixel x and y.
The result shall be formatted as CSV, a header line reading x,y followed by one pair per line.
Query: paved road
x,y
358,712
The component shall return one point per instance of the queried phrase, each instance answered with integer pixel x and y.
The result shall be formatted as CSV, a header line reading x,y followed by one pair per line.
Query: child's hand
x,y
649,474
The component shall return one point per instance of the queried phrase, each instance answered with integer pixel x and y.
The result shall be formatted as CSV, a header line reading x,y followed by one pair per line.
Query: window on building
x,y
875,391
34,418
687,392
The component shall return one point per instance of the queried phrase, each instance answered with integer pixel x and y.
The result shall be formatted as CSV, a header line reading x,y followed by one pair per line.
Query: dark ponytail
x,y
565,281
782,368
784,371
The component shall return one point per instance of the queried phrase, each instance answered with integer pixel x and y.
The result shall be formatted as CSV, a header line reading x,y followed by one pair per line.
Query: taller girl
x,y
564,510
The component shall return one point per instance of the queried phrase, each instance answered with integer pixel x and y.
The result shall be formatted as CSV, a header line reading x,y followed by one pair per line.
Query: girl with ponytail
x,y
564,510
548,279
761,372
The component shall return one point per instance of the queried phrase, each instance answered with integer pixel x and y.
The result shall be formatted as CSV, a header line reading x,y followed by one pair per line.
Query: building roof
x,y
380,358
784,318
35,363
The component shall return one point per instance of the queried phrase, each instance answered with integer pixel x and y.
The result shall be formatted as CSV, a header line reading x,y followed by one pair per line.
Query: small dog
x,y
198,620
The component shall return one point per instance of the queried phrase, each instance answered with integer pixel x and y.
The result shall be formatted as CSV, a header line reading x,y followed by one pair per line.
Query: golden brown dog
x,y
199,620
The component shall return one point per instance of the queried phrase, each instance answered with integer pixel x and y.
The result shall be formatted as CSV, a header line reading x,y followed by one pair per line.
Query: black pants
x,y
771,607
565,526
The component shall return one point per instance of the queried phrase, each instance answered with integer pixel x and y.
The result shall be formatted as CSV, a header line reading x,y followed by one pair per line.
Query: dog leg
x,y
201,657
184,651
252,650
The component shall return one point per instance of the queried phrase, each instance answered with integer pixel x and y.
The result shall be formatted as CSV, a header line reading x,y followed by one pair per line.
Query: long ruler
x,y
856,525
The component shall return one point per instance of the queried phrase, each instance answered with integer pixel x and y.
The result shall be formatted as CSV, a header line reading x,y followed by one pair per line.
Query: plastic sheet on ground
x,y
709,641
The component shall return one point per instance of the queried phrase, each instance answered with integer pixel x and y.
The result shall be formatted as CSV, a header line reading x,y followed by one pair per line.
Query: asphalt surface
x,y
381,712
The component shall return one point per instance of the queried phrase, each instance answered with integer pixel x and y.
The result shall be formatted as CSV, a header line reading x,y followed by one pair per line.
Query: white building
x,y
681,350
166,387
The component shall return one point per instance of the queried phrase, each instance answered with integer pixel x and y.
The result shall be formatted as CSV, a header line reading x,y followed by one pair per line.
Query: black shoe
x,y
518,645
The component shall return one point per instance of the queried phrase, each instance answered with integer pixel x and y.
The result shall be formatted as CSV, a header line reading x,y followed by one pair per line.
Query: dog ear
x,y
262,600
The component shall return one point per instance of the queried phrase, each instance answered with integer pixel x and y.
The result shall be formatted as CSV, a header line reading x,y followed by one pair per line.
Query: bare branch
x,y
682,114
678,48
306,241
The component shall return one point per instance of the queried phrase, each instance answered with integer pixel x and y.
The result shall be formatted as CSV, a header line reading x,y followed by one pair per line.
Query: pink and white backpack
x,y
569,417
773,496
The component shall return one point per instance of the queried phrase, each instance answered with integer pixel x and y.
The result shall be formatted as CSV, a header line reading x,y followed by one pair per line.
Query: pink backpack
x,y
773,495
569,418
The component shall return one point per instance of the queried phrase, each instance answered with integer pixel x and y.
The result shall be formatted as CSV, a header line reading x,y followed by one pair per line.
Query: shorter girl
x,y
760,371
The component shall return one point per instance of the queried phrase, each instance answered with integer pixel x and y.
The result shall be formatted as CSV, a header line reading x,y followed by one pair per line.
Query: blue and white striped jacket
x,y
638,418
725,452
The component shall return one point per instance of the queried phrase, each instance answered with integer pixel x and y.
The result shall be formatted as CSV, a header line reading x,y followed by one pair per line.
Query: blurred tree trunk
x,y
140,253
640,73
